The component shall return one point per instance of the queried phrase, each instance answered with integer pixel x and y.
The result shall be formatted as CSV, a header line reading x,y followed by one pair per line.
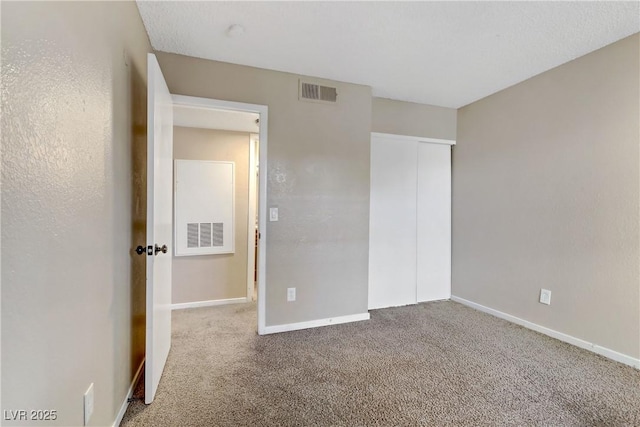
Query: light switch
x,y
273,214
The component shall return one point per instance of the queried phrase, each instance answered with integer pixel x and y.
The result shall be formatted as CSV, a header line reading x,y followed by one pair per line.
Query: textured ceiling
x,y
439,53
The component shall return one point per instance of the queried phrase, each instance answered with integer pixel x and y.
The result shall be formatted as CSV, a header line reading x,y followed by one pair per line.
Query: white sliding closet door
x,y
392,223
434,222
410,220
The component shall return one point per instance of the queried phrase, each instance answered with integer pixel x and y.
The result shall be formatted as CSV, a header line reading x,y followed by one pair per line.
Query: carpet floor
x,y
432,364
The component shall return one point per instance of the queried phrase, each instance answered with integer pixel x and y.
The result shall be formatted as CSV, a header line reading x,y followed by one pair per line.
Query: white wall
x,y
73,205
546,187
318,177
411,119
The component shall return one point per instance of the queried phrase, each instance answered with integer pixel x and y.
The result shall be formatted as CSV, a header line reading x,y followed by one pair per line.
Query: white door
x,y
409,220
392,223
434,222
159,225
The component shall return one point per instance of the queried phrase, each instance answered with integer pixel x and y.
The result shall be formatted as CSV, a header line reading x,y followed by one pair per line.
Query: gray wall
x,y
318,177
73,132
408,118
213,277
545,195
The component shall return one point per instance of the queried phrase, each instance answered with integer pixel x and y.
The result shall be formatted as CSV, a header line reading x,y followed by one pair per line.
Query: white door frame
x,y
254,139
263,112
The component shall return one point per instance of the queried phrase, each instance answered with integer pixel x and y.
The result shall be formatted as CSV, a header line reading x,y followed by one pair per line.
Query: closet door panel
x,y
392,223
434,222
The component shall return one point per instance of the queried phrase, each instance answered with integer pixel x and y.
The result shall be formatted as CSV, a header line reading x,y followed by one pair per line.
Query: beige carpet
x,y
434,364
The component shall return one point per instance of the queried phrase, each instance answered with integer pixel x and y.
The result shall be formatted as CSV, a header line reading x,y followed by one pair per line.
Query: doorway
x,y
245,122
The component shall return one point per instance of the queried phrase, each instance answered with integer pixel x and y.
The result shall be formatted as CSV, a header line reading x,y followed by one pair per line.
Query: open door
x,y
159,225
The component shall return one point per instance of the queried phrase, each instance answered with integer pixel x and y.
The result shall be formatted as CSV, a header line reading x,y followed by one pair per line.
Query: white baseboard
x,y
603,351
208,303
315,323
125,404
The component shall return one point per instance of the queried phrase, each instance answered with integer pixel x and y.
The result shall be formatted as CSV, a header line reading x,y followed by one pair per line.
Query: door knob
x,y
162,249
144,250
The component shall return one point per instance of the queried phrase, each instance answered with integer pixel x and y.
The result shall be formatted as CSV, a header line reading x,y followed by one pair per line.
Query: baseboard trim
x,y
602,351
132,387
209,303
315,323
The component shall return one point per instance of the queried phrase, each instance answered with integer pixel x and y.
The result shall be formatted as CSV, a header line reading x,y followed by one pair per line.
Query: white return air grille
x,y
205,234
317,93
204,207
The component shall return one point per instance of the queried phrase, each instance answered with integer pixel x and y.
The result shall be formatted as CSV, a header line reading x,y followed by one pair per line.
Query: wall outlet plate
x,y
88,404
545,296
291,294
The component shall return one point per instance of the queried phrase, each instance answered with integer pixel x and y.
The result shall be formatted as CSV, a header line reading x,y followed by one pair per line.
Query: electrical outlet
x,y
291,294
88,404
545,296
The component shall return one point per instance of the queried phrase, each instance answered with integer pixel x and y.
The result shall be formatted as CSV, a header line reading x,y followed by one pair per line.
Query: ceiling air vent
x,y
317,93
